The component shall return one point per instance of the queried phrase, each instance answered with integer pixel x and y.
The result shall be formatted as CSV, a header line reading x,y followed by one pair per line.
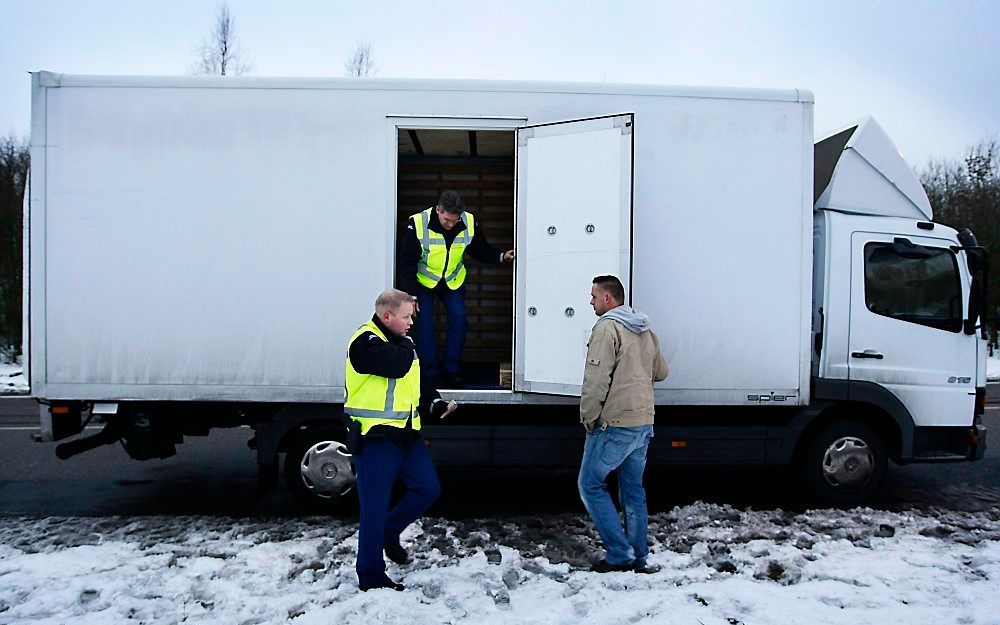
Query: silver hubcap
x,y
848,463
327,471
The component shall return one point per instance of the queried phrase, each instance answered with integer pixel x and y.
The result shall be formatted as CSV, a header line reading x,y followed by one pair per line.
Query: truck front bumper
x,y
949,444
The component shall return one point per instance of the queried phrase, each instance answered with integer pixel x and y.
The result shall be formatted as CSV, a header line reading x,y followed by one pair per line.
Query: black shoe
x,y
646,569
603,566
453,380
396,553
385,583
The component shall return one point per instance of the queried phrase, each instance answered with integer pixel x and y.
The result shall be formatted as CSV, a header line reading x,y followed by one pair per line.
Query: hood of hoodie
x,y
636,321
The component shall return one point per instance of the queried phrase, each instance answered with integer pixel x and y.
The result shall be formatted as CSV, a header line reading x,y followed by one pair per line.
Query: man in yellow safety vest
x,y
432,263
386,396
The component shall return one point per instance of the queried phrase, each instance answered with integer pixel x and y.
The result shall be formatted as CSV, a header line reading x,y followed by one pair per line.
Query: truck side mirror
x,y
978,263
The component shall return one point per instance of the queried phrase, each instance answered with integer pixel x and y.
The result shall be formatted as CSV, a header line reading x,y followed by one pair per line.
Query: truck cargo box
x,y
198,238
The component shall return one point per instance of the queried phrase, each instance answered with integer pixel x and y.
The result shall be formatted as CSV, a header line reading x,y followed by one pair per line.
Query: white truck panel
x,y
574,195
196,239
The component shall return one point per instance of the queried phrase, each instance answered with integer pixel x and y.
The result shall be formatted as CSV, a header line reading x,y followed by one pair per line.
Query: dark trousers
x,y
426,334
379,463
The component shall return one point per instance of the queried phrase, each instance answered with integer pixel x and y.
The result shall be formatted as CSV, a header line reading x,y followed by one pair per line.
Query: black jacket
x,y
410,250
371,355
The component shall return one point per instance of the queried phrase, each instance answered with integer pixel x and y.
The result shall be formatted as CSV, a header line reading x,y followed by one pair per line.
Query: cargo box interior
x,y
478,164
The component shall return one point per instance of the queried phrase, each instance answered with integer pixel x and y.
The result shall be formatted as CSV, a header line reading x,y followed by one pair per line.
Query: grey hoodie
x,y
635,320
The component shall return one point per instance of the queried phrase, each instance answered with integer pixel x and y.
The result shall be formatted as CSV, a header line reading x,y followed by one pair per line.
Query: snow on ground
x,y
12,377
993,368
719,565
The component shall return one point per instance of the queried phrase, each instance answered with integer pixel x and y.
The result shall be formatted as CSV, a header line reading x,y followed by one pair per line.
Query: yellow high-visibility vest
x,y
374,400
438,260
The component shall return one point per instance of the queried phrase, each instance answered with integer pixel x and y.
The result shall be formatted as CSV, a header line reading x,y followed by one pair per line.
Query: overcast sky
x,y
928,71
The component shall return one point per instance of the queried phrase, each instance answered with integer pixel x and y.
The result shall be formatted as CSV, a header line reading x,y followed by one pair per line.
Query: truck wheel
x,y
318,470
845,463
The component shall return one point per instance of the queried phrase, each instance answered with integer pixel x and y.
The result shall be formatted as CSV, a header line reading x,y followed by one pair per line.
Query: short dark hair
x,y
451,202
611,285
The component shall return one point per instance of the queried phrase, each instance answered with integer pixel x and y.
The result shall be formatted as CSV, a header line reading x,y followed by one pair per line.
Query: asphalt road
x,y
217,475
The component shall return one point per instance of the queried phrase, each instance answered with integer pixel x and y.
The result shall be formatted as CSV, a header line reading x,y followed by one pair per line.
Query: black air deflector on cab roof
x,y
826,153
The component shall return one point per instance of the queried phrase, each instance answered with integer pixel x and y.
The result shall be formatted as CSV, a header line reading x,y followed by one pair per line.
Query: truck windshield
x,y
926,291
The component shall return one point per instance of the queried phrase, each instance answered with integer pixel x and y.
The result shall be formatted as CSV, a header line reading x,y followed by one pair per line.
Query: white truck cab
x,y
895,308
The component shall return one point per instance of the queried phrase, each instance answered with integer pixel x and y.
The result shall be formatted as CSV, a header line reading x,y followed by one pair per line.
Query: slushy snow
x,y
717,565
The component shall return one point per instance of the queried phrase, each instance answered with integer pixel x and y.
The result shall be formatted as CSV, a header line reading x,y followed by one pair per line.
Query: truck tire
x,y
319,472
845,463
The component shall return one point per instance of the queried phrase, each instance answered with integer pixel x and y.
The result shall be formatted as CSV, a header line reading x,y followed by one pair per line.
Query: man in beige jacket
x,y
616,408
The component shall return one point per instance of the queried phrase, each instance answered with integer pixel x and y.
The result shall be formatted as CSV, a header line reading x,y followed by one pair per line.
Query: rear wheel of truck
x,y
318,470
845,463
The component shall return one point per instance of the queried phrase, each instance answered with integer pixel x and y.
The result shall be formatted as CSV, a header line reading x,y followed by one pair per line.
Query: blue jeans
x,y
379,463
622,450
426,334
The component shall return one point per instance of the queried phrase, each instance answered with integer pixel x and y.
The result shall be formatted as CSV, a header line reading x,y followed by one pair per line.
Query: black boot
x,y
640,566
395,552
603,566
385,583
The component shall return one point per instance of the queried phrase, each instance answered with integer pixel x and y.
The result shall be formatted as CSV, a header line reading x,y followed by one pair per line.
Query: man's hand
x,y
509,256
441,409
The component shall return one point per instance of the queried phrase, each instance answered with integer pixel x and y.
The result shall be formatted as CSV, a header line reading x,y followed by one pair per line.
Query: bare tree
x,y
220,54
967,194
361,63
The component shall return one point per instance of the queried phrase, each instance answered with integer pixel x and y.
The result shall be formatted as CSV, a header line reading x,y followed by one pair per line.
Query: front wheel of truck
x,y
845,463
318,470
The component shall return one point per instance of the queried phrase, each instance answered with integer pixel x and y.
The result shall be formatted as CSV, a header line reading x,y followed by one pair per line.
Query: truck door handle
x,y
868,353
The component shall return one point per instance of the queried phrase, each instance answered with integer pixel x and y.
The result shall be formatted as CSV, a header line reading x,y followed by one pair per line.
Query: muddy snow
x,y
716,564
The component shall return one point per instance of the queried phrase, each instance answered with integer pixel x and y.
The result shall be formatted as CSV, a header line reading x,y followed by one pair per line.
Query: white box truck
x,y
199,250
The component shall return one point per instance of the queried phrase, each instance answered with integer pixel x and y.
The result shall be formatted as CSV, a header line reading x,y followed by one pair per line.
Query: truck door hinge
x,y
523,135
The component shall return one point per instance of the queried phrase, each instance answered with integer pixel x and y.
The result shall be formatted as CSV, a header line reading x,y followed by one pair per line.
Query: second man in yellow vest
x,y
386,396
432,264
